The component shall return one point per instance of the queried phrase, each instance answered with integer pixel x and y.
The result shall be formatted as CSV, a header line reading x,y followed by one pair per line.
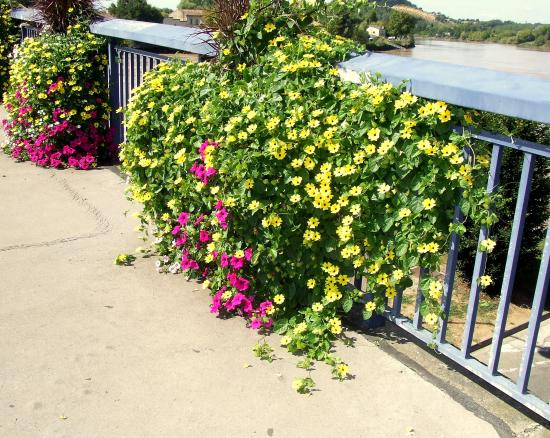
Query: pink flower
x,y
204,236
256,324
224,262
217,300
248,254
183,218
237,263
180,241
219,205
176,230
239,283
199,220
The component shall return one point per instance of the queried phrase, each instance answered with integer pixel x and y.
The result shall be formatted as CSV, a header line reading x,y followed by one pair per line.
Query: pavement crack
x,y
103,226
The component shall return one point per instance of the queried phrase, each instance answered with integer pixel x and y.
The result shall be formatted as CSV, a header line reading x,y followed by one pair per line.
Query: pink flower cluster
x,y
243,305
60,142
202,172
192,238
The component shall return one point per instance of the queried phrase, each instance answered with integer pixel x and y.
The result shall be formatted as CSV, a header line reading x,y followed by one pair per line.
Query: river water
x,y
501,57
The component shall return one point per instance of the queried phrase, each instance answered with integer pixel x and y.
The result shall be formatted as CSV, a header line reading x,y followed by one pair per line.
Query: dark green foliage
x,y
58,15
8,37
138,10
537,215
195,4
400,24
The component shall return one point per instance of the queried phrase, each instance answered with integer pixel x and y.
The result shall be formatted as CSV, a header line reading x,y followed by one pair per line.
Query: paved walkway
x,y
89,349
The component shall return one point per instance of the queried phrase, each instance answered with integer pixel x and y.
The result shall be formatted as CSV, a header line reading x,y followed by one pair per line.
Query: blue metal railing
x,y
29,32
489,372
502,93
126,70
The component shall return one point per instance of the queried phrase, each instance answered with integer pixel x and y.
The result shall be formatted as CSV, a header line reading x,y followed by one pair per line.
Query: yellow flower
x,y
313,222
313,123
269,27
383,188
429,203
342,370
485,280
370,306
295,198
249,183
254,205
300,328
435,289
311,283
487,245
373,134
285,340
370,149
431,319
317,307
279,299
296,180
404,212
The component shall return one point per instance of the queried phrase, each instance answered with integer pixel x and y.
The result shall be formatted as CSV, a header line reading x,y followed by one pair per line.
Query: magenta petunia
x,y
183,218
204,236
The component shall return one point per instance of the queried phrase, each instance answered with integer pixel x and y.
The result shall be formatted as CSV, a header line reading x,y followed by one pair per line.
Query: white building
x,y
376,31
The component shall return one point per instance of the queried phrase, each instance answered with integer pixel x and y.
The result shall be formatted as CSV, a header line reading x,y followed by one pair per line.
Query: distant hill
x,y
413,10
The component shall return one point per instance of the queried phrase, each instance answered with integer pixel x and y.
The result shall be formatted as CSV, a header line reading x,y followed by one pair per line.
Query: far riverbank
x,y
493,56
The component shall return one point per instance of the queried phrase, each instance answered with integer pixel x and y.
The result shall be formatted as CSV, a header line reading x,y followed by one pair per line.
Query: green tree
x,y
195,4
138,10
371,16
400,24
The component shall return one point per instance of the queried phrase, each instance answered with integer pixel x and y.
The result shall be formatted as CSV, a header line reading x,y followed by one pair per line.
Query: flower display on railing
x,y
275,183
8,38
57,103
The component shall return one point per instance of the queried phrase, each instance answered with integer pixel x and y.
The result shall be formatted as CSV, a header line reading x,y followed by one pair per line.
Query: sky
x,y
530,11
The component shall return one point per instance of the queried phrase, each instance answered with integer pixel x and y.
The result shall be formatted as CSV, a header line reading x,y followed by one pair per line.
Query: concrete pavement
x,y
89,349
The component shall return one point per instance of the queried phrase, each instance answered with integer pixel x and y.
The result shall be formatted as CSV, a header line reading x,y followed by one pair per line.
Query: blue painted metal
x,y
474,366
510,142
127,67
503,93
541,291
512,259
396,304
481,256
183,38
417,319
114,93
26,14
450,273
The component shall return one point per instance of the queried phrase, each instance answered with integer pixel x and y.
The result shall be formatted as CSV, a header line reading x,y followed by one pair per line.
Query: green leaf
x,y
347,303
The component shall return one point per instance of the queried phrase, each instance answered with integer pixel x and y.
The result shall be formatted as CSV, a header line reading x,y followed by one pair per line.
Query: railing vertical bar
x,y
417,319
120,92
139,73
450,274
132,73
481,257
126,78
512,259
114,93
541,291
397,301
